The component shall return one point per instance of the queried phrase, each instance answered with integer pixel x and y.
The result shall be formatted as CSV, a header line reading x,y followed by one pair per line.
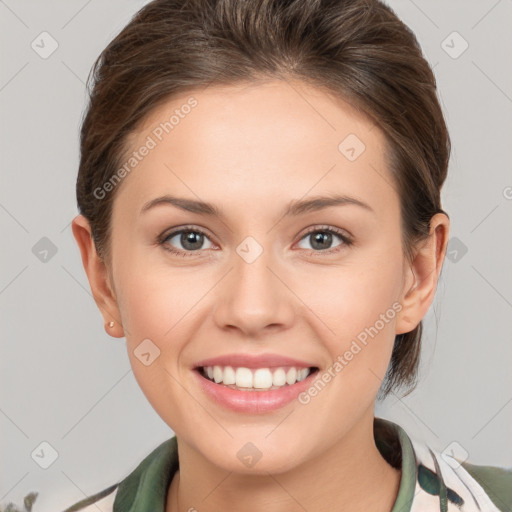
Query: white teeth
x,y
279,377
260,378
302,374
217,374
291,376
229,376
243,377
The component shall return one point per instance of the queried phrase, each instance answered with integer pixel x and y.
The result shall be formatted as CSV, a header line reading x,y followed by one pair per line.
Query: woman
x,y
260,217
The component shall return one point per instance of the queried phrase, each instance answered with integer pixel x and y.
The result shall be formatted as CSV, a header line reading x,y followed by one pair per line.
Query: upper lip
x,y
253,361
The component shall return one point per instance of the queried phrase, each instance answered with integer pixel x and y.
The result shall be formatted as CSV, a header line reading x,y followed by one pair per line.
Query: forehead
x,y
257,141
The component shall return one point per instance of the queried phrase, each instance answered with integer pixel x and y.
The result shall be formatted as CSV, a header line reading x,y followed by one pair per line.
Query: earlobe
x,y
113,329
422,275
98,277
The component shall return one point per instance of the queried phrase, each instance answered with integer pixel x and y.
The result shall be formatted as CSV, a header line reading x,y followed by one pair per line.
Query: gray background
x,y
65,382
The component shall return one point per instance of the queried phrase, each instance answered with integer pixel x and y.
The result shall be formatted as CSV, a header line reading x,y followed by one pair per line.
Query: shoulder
x,y
495,481
144,488
102,501
460,485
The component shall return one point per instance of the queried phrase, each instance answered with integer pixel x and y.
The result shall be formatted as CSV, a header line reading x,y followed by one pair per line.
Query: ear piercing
x,y
111,324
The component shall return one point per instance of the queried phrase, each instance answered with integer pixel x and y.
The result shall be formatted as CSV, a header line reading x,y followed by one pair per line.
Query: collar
x,y
145,489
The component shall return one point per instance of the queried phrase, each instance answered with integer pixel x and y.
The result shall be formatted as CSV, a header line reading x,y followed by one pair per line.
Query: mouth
x,y
256,379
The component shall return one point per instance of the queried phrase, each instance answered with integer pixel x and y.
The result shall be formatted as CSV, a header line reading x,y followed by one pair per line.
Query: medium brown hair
x,y
359,50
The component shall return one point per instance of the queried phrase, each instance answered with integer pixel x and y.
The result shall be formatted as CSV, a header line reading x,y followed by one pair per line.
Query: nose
x,y
253,298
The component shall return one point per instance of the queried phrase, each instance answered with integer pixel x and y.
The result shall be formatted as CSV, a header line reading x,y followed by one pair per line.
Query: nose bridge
x,y
253,297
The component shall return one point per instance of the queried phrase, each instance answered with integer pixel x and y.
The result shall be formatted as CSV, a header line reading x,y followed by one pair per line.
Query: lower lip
x,y
255,402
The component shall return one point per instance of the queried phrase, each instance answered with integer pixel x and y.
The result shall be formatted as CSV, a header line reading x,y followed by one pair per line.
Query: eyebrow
x,y
294,208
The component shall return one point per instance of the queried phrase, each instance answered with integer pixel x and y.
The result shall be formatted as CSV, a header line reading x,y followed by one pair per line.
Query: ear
x,y
99,278
421,276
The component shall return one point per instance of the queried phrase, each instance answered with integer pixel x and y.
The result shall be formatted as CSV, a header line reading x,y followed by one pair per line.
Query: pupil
x,y
188,239
324,238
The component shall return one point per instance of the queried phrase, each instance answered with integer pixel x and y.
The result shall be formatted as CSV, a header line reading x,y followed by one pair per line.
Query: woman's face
x,y
316,284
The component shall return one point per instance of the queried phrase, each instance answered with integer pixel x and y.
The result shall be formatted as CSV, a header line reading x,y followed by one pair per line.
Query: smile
x,y
252,390
255,379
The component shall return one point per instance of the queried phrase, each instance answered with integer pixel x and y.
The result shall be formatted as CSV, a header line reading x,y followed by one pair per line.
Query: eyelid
x,y
177,230
325,227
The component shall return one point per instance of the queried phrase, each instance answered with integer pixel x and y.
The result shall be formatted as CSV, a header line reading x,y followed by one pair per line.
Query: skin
x,y
251,150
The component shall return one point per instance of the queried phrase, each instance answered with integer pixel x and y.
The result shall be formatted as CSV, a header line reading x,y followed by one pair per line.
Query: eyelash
x,y
347,242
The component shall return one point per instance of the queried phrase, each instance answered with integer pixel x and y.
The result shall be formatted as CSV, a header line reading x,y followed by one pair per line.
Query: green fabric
x,y
405,496
443,498
145,489
91,499
495,481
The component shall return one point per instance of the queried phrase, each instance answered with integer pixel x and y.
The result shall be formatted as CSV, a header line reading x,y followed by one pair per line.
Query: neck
x,y
351,475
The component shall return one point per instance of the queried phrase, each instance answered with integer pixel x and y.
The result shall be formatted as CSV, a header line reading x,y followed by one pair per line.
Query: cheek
x,y
162,304
352,297
357,306
152,305
157,307
150,299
